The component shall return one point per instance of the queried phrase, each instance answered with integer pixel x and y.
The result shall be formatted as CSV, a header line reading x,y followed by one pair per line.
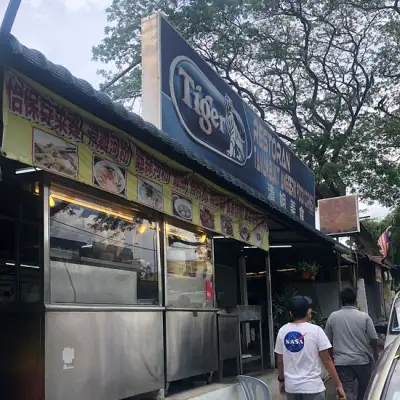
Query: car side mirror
x,y
381,328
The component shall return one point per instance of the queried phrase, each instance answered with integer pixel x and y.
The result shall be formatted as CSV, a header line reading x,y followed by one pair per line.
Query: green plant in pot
x,y
308,270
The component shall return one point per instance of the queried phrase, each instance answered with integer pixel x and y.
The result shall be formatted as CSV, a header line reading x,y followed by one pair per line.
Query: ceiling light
x,y
52,203
142,228
250,247
282,246
36,189
26,170
89,205
219,237
286,270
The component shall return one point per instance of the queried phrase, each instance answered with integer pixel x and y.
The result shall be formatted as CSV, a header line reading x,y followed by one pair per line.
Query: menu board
x,y
44,130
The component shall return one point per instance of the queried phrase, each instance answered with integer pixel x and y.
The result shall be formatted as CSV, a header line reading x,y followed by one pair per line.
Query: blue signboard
x,y
204,114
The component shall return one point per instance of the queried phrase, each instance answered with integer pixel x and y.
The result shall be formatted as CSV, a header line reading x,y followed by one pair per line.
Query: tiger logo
x,y
236,131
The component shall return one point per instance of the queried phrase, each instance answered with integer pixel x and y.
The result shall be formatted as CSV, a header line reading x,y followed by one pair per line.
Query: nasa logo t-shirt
x,y
300,345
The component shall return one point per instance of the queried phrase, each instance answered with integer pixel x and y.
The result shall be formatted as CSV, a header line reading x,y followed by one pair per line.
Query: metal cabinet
x,y
191,343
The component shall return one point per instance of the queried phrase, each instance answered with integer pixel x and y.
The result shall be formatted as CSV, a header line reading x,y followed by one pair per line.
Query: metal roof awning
x,y
284,227
378,260
348,259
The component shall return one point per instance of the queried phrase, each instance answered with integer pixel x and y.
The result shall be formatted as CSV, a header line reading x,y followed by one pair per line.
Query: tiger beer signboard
x,y
190,102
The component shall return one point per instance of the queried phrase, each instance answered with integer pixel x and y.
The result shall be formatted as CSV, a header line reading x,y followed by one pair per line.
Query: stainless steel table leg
x,y
261,346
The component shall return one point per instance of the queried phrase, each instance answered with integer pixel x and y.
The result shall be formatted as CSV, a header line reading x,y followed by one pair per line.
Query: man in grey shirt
x,y
355,344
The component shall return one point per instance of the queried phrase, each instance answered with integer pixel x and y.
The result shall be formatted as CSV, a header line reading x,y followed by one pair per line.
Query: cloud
x,y
84,5
35,3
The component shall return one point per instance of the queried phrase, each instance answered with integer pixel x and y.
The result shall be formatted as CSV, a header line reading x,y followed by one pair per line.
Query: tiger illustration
x,y
236,133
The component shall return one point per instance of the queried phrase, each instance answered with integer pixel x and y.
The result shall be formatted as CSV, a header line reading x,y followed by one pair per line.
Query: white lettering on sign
x,y
209,116
203,106
268,142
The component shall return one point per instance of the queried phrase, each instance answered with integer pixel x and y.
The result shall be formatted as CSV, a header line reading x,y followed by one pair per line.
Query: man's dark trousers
x,y
355,379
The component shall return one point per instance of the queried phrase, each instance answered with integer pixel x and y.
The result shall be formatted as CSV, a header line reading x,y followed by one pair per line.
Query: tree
x,y
315,69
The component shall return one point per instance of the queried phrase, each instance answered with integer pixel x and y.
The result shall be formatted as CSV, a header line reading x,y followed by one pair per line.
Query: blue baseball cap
x,y
300,304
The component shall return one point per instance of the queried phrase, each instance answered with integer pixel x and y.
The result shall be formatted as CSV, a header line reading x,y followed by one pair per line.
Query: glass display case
x,y
190,269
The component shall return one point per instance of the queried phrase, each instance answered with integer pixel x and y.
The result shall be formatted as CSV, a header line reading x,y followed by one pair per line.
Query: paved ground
x,y
229,390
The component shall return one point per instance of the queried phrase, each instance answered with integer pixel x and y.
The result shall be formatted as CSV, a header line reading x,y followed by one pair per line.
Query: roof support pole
x,y
270,316
339,271
9,16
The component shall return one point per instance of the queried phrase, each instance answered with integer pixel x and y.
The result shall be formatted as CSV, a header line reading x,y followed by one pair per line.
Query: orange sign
x,y
339,215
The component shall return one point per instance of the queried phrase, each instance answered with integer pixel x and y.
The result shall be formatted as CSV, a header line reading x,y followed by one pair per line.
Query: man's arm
x,y
329,334
328,329
279,353
281,375
330,367
373,337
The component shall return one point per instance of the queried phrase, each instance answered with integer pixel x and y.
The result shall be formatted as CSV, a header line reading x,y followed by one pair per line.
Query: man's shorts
x,y
308,396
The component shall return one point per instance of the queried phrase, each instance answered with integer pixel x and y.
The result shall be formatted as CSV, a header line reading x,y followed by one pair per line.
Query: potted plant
x,y
308,270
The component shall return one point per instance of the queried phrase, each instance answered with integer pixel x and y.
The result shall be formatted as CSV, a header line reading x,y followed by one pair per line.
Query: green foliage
x,y
323,72
318,319
311,268
280,308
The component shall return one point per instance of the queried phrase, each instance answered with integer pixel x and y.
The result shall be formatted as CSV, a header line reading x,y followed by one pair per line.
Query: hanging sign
x,y
190,102
45,131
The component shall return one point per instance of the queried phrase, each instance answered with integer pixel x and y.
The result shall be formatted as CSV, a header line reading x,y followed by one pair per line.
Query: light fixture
x,y
282,246
22,265
26,170
142,228
286,270
218,237
52,203
36,188
90,205
203,238
250,247
87,246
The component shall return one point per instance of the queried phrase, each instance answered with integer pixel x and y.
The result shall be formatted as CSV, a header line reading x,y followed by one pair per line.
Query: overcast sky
x,y
65,31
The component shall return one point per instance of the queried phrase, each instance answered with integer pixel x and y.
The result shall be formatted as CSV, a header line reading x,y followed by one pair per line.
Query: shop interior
x,y
20,281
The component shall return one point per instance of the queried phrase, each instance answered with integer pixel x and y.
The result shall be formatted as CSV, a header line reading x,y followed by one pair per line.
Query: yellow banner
x,y
44,130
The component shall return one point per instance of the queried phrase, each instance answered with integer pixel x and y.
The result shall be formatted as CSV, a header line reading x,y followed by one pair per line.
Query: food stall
x,y
115,278
125,251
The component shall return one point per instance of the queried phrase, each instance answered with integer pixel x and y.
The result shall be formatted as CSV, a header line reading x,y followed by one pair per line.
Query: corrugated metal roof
x,y
59,80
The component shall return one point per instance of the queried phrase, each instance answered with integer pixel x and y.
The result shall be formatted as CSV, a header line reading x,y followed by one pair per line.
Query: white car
x,y
385,380
393,328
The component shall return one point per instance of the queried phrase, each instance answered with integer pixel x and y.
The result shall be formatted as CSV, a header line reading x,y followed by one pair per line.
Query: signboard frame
x,y
261,159
46,131
349,232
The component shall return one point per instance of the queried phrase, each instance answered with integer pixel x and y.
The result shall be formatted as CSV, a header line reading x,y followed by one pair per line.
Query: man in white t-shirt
x,y
301,347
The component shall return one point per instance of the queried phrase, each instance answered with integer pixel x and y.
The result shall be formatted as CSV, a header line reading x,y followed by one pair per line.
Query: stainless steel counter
x,y
103,355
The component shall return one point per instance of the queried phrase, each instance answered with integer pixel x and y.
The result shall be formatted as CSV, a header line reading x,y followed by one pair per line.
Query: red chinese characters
x,y
199,191
233,208
180,183
29,104
149,167
110,144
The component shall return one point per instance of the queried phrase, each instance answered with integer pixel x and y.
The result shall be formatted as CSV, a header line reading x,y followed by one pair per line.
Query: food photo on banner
x,y
45,131
201,112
